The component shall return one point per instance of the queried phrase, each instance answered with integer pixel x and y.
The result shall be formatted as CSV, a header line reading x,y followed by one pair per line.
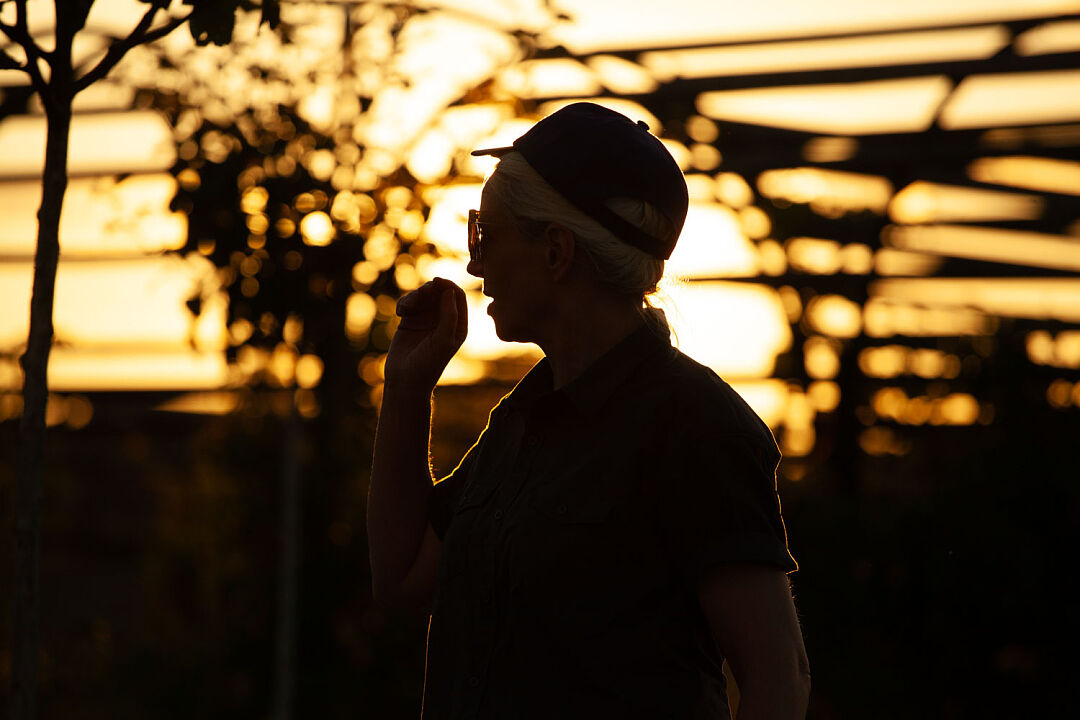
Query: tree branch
x,y
120,48
33,52
9,63
15,33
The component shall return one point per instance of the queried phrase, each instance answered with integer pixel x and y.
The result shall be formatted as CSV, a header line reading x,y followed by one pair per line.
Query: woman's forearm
x,y
400,484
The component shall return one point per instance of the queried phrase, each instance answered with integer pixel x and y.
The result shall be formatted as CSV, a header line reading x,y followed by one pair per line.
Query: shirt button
x,y
532,440
474,681
561,509
498,515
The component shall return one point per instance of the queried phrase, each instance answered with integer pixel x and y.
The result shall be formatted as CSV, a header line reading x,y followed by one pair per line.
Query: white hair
x,y
621,267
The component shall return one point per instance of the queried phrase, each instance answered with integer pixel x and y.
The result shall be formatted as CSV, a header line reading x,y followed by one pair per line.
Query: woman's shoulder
x,y
697,396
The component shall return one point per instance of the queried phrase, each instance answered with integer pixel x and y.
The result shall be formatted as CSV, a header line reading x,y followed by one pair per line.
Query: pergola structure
x,y
963,226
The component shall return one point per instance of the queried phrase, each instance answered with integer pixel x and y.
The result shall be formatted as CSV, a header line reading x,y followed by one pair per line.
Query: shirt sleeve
x,y
719,505
446,492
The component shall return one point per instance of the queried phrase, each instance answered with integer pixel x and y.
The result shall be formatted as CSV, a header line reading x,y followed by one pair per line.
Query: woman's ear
x,y
560,250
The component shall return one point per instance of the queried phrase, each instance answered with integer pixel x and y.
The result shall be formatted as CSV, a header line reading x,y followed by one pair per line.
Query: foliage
x,y
212,21
257,167
57,89
252,195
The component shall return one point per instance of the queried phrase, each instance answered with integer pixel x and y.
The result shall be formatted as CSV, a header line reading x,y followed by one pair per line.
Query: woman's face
x,y
514,274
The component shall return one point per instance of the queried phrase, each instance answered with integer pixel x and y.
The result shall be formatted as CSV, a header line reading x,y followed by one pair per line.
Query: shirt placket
x,y
481,626
494,591
487,578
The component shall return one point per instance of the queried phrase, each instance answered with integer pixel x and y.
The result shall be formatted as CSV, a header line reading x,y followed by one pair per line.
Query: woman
x,y
614,533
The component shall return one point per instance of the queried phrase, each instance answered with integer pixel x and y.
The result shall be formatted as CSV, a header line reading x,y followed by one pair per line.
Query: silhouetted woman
x,y
615,533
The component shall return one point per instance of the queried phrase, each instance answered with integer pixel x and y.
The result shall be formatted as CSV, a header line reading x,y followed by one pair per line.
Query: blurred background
x,y
882,256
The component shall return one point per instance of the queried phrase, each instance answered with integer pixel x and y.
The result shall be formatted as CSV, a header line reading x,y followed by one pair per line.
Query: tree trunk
x,y
289,574
31,453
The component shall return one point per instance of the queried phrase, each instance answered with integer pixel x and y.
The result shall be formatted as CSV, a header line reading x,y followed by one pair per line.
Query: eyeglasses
x,y
476,237
476,233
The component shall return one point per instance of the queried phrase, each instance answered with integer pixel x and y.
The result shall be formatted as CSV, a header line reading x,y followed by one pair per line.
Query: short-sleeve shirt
x,y
575,532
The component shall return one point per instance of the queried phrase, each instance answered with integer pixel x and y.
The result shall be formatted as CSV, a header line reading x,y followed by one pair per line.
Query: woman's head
x,y
592,180
521,195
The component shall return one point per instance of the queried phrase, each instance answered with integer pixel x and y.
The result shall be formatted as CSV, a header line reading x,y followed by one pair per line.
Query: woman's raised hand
x,y
434,323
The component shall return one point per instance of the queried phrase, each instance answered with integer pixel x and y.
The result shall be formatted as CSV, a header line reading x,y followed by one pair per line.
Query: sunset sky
x,y
120,317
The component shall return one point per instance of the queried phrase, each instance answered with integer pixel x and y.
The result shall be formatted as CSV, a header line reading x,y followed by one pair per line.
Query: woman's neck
x,y
576,339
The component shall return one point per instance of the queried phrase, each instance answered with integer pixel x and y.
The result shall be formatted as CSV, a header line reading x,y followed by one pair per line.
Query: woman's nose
x,y
475,268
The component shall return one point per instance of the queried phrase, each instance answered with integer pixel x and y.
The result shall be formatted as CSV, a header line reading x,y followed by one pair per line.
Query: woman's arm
x,y
752,618
403,548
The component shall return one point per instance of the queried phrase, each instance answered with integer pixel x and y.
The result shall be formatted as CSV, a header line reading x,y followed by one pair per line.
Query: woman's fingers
x,y
437,305
413,301
419,310
447,315
422,297
435,320
462,316
453,317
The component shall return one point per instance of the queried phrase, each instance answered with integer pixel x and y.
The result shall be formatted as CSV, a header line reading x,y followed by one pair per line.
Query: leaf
x,y
194,305
212,21
271,13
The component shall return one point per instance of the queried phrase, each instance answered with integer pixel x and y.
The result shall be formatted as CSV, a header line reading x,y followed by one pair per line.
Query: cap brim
x,y
497,152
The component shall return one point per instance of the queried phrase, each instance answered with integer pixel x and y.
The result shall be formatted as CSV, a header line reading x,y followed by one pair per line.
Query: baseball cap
x,y
591,154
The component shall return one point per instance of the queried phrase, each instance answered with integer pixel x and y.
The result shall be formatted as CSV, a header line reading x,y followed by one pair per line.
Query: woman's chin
x,y
506,330
503,331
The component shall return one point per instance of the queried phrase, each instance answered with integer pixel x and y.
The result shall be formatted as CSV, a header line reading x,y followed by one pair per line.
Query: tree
x,y
56,79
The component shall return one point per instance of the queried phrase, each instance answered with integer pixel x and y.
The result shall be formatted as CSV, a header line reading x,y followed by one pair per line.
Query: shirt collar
x,y
594,387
